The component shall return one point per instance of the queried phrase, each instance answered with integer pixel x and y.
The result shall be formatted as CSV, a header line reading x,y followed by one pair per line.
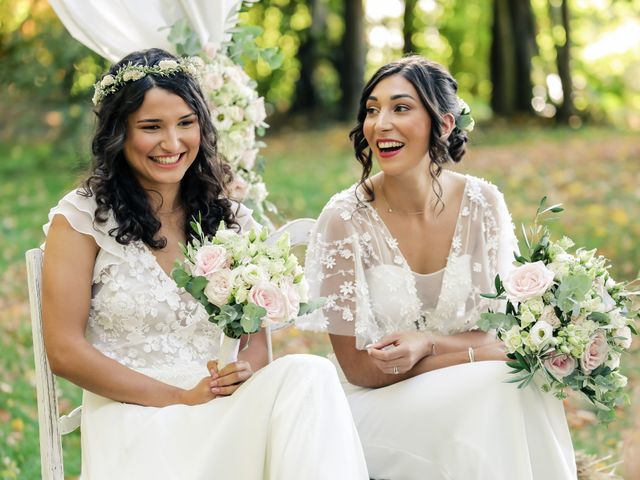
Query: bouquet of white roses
x,y
238,113
243,282
566,319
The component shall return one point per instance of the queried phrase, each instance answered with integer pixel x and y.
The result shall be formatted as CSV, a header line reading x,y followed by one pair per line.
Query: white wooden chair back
x,y
299,233
51,426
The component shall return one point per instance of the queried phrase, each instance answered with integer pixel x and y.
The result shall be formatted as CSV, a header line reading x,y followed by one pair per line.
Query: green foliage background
x,y
46,78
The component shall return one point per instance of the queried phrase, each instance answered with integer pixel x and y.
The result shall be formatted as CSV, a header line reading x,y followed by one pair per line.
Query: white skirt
x,y
462,423
289,421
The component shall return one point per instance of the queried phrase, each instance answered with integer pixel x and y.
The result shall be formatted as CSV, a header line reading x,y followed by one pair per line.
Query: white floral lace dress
x,y
289,421
462,422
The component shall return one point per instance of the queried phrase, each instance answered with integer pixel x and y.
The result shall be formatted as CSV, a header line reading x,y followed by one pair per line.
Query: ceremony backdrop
x,y
555,86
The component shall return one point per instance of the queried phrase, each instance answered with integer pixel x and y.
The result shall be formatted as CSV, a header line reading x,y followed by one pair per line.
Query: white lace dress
x,y
289,421
457,423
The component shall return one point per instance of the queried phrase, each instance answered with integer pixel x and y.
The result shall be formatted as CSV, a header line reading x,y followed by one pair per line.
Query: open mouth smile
x,y
388,147
167,160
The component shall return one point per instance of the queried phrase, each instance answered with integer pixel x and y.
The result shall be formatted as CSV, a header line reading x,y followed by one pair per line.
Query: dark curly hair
x,y
112,182
437,91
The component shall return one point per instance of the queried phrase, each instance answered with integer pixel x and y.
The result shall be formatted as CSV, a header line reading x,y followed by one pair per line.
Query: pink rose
x,y
209,259
528,281
270,297
238,188
218,289
596,352
292,296
560,365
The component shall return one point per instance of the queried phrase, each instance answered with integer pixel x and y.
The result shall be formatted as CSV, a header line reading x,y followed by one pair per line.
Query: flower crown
x,y
464,120
132,72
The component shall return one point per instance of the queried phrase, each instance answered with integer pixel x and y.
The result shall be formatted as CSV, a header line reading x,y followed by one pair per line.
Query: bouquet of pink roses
x,y
243,282
565,319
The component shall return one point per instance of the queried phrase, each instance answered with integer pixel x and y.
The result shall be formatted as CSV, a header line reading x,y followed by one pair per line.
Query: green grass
x,y
591,171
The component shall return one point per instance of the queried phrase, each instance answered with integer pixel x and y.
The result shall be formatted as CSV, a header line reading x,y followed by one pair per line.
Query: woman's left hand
x,y
226,381
399,352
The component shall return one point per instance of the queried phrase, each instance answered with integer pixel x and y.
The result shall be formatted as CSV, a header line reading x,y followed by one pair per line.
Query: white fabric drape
x,y
115,28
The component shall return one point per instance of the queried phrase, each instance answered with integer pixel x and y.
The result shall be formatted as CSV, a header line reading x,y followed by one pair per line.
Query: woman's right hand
x,y
199,394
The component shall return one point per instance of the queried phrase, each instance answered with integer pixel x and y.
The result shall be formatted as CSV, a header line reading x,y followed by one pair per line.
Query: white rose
x,y
252,275
625,337
256,112
212,81
291,293
549,316
218,290
540,335
107,81
235,113
167,64
528,281
248,158
238,188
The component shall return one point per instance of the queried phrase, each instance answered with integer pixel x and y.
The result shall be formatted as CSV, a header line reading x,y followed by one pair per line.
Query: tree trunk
x,y
512,49
563,60
408,27
306,96
353,59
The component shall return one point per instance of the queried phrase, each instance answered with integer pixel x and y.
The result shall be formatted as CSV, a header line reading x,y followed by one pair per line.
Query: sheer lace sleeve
x,y
334,269
498,241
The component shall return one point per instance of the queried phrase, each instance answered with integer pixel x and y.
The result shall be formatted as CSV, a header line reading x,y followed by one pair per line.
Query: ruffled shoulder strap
x,y
79,210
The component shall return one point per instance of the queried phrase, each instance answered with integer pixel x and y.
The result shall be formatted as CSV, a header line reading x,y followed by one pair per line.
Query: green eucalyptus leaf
x,y
493,321
311,305
180,277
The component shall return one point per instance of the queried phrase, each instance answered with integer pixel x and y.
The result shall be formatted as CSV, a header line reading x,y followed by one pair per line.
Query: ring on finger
x,y
396,370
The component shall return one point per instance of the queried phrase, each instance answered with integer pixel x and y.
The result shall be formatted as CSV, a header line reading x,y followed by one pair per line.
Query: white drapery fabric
x,y
115,28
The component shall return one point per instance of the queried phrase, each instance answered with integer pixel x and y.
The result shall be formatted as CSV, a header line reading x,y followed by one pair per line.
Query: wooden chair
x,y
51,425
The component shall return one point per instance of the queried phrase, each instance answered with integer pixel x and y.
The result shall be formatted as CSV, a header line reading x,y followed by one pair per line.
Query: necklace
x,y
391,210
169,212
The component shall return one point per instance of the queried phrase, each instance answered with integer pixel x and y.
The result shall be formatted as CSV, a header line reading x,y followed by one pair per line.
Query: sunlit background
x,y
588,159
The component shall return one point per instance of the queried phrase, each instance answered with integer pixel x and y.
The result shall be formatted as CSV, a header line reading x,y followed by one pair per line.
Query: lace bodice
x,y
138,316
354,261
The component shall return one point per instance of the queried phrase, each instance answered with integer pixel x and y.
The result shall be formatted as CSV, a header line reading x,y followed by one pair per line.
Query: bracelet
x,y
472,355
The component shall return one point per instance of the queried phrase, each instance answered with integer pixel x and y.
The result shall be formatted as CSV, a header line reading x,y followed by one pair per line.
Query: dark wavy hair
x,y
437,91
112,182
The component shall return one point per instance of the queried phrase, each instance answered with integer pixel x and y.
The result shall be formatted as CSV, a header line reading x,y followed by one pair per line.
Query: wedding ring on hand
x,y
472,355
396,370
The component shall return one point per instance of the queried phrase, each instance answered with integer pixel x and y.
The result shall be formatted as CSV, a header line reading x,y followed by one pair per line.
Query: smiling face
x,y
162,139
397,127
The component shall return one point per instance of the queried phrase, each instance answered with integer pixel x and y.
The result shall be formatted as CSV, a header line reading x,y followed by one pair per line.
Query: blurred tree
x,y
352,66
513,47
559,15
409,26
306,96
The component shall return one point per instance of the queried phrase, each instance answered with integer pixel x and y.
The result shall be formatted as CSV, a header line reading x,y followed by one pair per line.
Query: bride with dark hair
x,y
155,405
403,257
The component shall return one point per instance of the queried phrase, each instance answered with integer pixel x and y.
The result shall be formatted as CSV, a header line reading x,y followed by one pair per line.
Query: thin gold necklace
x,y
391,210
169,212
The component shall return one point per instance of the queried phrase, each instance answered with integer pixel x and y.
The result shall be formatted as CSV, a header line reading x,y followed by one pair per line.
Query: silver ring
x,y
396,370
